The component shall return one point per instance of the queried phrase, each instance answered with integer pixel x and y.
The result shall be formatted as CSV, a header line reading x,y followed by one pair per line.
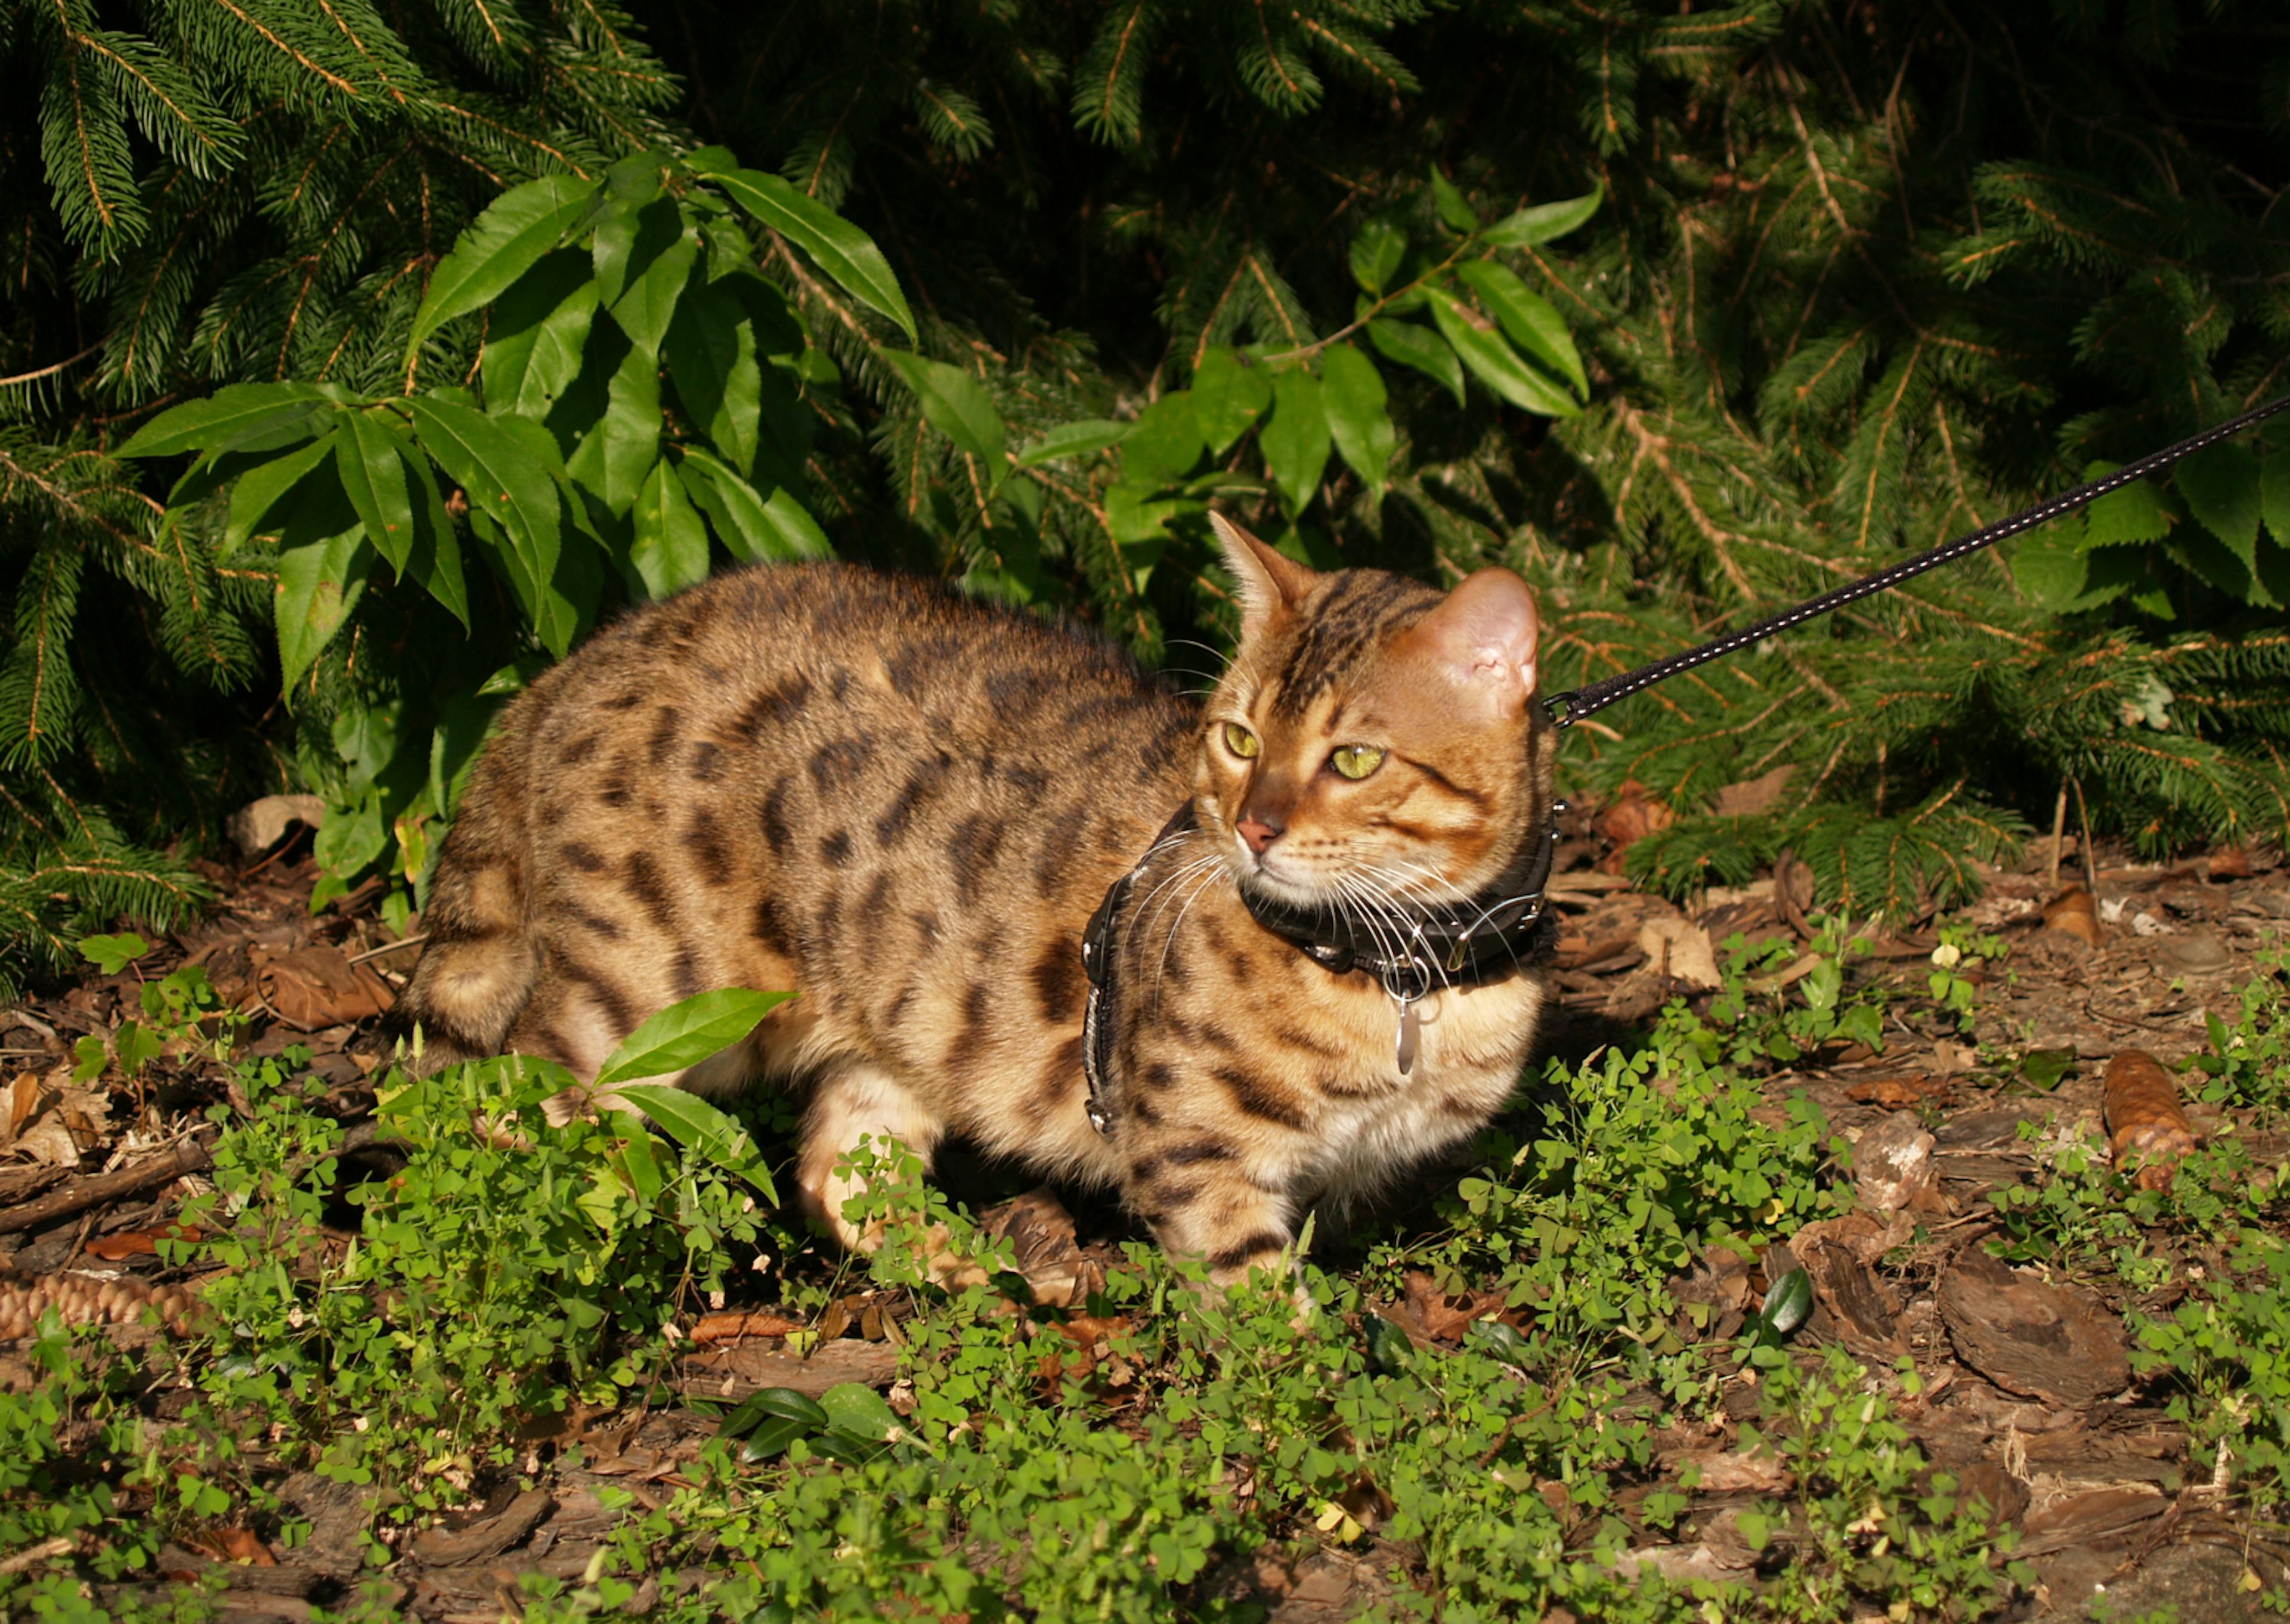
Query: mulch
x,y
2026,1392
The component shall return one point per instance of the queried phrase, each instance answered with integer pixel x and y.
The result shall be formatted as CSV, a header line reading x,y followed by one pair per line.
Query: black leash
x,y
1565,709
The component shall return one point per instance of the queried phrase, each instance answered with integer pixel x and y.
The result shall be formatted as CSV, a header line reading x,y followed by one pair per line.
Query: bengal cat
x,y
905,805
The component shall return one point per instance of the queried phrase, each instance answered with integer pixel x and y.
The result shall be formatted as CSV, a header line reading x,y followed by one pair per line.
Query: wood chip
x,y
1892,1165
2050,1343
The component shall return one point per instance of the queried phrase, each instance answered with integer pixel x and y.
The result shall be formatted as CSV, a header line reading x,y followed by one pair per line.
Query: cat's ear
x,y
1482,637
1271,583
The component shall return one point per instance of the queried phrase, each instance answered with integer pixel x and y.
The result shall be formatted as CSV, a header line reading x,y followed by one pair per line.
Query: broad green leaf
x,y
1454,209
636,1157
1378,251
373,474
2221,485
1229,396
2274,488
263,488
1295,441
958,407
1164,442
504,480
685,1034
842,249
319,583
2043,1068
756,529
437,559
1544,221
711,359
351,836
1788,1304
861,1413
535,336
699,1128
2134,514
1353,394
1528,320
641,270
1420,348
1132,514
501,245
670,550
1077,439
252,417
1494,363
113,953
2049,567
773,1405
620,451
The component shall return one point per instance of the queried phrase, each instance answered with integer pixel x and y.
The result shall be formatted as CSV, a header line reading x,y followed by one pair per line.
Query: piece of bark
x,y
1861,1311
2044,1341
1041,1236
2145,1126
448,1547
734,1369
2089,1519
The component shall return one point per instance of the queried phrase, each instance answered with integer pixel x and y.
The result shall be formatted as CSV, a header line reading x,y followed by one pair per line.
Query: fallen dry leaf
x,y
19,1105
139,1243
1680,949
1631,817
1895,1093
1754,797
2143,1118
1444,1318
1730,1472
2072,912
314,987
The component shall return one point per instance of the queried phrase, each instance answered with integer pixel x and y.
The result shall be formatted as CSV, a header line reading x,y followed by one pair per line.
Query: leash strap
x,y
1565,709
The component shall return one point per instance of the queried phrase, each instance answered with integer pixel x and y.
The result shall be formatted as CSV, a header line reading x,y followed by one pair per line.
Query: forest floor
x,y
1994,1286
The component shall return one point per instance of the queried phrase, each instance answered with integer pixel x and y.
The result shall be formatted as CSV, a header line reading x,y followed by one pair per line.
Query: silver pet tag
x,y
1408,1028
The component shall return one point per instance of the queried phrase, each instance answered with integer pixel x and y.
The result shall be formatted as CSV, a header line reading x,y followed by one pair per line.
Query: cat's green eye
x,y
1355,760
1240,742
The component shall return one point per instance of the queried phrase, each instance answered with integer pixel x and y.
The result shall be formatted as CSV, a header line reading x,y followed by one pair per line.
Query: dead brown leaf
x,y
732,1327
1754,797
1444,1318
139,1243
311,988
2073,913
1630,819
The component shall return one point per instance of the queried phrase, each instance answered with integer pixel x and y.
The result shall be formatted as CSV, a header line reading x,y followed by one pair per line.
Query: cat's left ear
x,y
1482,637
1270,582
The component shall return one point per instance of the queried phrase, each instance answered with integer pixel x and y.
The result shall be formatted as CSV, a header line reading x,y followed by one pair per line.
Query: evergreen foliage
x,y
1685,313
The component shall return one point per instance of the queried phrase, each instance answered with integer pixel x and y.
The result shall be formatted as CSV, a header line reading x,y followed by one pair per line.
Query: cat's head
x,y
1372,733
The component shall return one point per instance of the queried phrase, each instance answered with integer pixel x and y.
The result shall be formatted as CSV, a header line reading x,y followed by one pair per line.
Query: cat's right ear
x,y
1271,583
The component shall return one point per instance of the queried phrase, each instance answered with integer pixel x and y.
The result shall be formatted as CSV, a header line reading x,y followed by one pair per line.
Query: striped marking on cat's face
x,y
1372,742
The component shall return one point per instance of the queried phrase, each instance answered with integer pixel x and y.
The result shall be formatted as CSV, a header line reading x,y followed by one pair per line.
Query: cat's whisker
x,y
1161,970
1178,877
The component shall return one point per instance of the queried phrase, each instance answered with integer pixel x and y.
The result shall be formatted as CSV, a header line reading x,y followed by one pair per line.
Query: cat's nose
x,y
1257,832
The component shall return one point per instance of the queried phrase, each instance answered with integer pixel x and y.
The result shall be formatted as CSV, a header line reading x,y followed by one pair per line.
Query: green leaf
x,y
711,359
2221,485
755,529
620,451
1543,221
113,953
842,249
1755,1529
861,1414
2274,489
1295,442
505,482
534,338
501,245
2134,514
1454,209
1413,345
1354,396
1389,1349
1494,363
1229,396
773,1403
1528,320
637,1158
319,583
698,1126
264,488
373,466
958,407
1077,439
685,1034
437,558
643,257
252,417
1378,251
670,551
1788,1303
1163,443
2050,566
2043,1068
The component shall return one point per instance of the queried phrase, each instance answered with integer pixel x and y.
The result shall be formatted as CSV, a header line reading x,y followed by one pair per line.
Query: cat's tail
x,y
478,966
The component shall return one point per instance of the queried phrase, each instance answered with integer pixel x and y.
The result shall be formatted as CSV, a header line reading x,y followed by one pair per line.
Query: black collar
x,y
1499,932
